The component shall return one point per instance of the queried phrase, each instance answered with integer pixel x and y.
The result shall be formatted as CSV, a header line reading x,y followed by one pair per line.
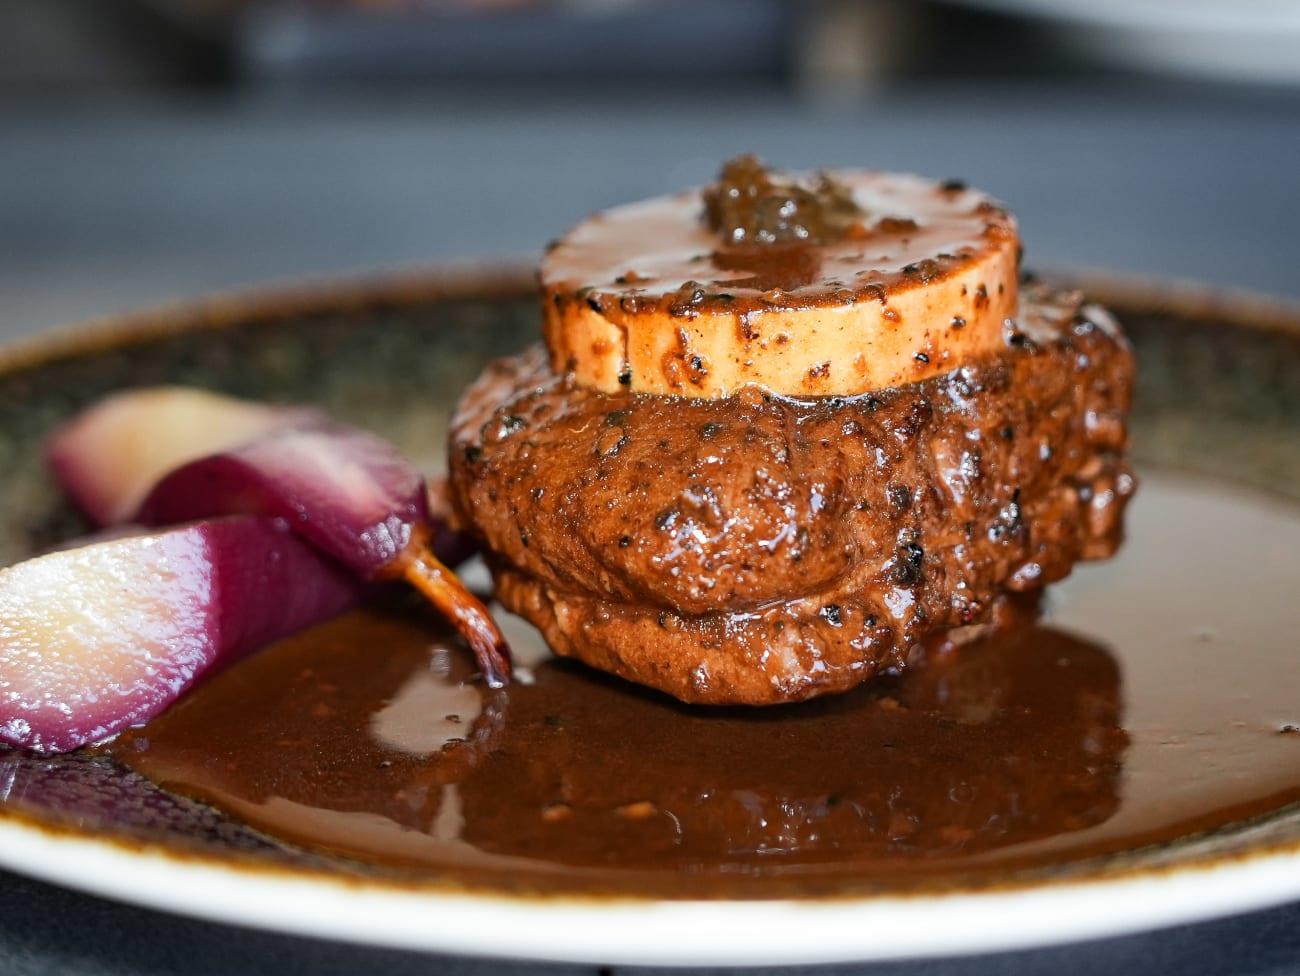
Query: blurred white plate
x,y
1242,40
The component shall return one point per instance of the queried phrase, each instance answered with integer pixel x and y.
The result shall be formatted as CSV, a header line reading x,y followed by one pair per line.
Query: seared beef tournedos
x,y
785,427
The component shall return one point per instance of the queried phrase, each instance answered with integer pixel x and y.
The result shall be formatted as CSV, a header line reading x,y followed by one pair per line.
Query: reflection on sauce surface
x,y
1027,749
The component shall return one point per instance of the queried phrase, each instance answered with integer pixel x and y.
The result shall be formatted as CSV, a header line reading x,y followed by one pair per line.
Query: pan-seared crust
x,y
646,298
756,548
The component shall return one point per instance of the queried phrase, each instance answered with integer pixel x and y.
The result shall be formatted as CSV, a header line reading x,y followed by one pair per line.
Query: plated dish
x,y
392,356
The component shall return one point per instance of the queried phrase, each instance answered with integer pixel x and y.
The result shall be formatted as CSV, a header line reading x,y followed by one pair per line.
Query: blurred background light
x,y
155,149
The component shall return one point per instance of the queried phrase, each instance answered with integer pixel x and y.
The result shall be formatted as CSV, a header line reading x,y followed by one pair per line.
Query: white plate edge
x,y
652,932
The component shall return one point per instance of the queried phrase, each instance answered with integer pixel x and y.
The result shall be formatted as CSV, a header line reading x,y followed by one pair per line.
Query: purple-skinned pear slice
x,y
111,456
352,495
108,456
104,636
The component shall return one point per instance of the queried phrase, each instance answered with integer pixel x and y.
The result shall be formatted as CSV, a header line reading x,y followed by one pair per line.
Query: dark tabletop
x,y
128,203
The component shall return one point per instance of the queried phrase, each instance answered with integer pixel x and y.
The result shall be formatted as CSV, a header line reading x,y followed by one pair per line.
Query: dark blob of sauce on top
x,y
749,204
370,739
755,239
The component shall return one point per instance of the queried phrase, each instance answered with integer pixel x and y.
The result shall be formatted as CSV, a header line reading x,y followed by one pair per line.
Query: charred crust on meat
x,y
611,442
900,498
1014,337
907,564
918,414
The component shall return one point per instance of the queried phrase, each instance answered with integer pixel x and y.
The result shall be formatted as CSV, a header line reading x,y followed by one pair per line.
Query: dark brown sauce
x,y
1152,702
751,204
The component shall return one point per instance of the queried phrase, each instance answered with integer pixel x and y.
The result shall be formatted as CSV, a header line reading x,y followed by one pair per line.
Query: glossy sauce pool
x,y
1156,698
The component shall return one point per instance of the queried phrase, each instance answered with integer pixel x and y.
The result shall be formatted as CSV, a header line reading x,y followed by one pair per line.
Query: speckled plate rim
x,y
1211,877
636,932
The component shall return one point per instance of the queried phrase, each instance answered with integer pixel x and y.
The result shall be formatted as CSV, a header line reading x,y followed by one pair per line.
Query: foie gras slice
x,y
665,297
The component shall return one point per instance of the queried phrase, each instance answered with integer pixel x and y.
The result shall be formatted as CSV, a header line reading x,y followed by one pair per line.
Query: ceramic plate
x,y
1219,399
1202,38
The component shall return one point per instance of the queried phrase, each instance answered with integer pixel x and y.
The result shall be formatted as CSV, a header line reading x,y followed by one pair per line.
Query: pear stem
x,y
422,569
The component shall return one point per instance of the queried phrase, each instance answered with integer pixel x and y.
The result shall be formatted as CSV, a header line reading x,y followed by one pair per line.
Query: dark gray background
x,y
108,208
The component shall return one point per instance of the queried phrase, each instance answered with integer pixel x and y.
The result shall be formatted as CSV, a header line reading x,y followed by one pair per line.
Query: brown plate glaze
x,y
1181,654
